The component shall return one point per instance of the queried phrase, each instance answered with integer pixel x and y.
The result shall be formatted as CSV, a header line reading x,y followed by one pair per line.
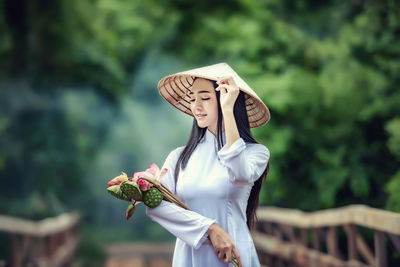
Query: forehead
x,y
202,85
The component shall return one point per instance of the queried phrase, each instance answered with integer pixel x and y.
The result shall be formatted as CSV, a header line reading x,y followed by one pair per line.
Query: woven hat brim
x,y
175,89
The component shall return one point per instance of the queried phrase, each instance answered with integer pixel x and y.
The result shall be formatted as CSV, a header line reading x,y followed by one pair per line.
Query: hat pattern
x,y
175,89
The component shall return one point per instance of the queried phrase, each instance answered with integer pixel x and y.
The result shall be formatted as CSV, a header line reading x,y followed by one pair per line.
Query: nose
x,y
197,104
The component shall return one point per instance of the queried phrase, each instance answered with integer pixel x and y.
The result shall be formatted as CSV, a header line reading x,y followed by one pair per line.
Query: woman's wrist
x,y
211,228
227,110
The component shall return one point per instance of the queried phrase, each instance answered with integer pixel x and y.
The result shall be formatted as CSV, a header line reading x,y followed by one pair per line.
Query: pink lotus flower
x,y
153,172
118,180
144,185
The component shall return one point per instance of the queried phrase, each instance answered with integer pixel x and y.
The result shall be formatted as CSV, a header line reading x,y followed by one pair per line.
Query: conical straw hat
x,y
175,89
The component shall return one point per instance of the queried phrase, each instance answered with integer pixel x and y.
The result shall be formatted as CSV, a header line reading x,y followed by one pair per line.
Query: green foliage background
x,y
78,100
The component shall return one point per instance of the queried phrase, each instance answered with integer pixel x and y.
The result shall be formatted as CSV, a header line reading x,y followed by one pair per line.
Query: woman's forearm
x,y
231,130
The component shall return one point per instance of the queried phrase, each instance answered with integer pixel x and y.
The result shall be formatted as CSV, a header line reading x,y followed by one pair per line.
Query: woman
x,y
219,172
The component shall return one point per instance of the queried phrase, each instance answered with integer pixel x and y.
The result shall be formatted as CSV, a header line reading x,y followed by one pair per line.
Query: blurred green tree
x,y
47,47
328,70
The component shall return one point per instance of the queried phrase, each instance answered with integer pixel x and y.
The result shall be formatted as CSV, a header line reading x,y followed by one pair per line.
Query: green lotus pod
x,y
131,190
129,211
152,197
115,191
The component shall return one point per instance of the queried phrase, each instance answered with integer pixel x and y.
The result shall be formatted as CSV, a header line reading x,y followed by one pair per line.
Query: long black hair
x,y
242,122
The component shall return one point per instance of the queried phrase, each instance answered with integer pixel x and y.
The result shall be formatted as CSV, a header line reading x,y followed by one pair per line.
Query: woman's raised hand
x,y
229,92
223,244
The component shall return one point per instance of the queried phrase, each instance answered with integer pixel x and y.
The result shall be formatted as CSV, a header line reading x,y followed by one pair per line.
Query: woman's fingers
x,y
227,86
235,252
226,80
222,243
228,256
221,254
223,88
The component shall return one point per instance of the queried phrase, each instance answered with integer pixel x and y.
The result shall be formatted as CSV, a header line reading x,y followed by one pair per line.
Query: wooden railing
x,y
140,254
47,243
335,237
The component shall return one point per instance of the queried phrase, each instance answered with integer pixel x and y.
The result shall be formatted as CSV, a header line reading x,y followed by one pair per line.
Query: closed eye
x,y
192,100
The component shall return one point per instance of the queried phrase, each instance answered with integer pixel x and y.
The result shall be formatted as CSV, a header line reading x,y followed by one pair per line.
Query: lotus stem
x,y
177,200
170,199
234,261
166,192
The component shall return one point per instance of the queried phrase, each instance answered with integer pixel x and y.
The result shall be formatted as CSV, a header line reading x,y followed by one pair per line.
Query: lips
x,y
200,116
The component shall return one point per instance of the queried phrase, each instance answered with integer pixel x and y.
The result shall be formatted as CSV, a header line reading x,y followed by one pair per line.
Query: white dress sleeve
x,y
186,225
245,162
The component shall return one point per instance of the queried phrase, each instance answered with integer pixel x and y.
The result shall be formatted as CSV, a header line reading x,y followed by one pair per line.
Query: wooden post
x,y
380,249
269,260
364,250
42,250
14,251
351,232
331,242
52,244
278,233
288,231
315,239
27,248
303,236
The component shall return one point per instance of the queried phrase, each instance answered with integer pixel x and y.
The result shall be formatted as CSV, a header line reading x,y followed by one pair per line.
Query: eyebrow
x,y
203,91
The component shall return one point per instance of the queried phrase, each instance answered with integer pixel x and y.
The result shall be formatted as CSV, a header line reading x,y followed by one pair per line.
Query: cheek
x,y
214,109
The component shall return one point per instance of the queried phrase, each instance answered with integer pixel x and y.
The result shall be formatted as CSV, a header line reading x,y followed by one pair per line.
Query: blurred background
x,y
79,102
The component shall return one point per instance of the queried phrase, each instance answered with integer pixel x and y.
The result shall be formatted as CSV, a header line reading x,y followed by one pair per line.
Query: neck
x,y
213,129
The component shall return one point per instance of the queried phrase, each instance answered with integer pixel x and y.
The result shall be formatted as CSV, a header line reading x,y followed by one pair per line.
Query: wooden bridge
x,y
47,243
140,254
352,236
328,238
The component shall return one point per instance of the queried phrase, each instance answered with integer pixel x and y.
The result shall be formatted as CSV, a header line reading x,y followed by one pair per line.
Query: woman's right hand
x,y
223,244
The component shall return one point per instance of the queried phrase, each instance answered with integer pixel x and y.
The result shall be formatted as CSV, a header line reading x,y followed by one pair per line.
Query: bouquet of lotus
x,y
145,187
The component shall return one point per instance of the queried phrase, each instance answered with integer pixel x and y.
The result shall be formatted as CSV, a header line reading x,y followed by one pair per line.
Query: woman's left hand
x,y
223,244
229,92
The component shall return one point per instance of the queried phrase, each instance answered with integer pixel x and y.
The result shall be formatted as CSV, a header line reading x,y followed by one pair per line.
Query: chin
x,y
202,125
